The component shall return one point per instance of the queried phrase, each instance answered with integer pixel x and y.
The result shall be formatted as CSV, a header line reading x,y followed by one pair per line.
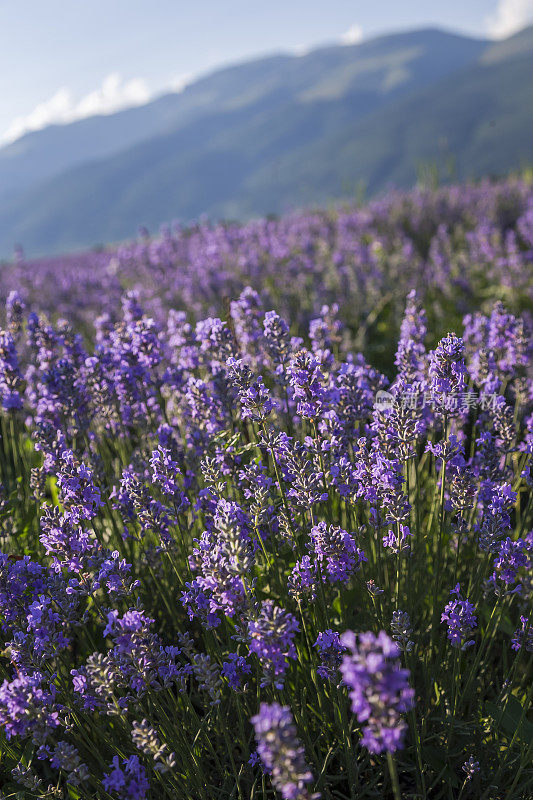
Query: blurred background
x,y
122,113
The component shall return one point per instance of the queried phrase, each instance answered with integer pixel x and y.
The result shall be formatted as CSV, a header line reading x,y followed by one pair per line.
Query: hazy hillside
x,y
261,136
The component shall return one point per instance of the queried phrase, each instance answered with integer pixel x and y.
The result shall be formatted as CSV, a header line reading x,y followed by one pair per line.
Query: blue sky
x,y
65,59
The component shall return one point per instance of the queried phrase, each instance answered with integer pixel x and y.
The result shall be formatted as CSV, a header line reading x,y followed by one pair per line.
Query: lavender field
x,y
266,515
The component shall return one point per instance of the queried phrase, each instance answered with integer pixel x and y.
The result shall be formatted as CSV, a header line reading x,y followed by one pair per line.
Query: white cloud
x,y
302,49
112,95
180,82
56,109
353,35
62,107
509,17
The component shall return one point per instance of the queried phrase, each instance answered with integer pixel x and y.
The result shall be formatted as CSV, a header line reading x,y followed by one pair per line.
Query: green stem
x,y
394,776
435,622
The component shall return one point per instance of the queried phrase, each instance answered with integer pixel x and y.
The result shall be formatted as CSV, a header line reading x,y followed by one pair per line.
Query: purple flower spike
x,y
331,651
281,753
271,639
127,782
447,372
380,690
335,548
460,618
523,636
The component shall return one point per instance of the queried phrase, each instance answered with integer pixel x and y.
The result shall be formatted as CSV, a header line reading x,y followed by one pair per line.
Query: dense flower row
x,y
227,567
453,245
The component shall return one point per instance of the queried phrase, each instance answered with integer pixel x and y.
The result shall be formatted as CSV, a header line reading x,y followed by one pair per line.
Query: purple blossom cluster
x,y
336,550
136,663
447,369
223,559
235,670
28,708
513,558
331,650
281,753
271,637
379,689
523,636
126,780
460,618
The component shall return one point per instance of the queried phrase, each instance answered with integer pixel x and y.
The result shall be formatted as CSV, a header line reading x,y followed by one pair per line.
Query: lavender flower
x,y
245,313
15,307
79,493
448,372
128,781
26,709
235,670
460,617
165,471
26,777
303,580
11,383
496,501
145,738
276,332
401,630
512,557
331,651
215,338
254,397
373,590
523,636
337,550
496,344
307,382
380,482
470,767
398,427
207,675
223,558
411,352
138,661
380,691
271,639
326,330
281,753
302,473
65,756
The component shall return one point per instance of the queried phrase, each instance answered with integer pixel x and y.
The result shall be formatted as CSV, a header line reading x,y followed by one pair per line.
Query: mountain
x,y
266,135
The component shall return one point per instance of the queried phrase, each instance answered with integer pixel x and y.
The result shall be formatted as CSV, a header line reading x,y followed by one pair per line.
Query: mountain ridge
x,y
278,131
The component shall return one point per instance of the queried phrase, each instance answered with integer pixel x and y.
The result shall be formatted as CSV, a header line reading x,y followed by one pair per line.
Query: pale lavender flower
x,y
380,691
281,752
303,580
335,549
401,630
411,353
28,709
470,767
255,399
271,638
447,371
146,739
